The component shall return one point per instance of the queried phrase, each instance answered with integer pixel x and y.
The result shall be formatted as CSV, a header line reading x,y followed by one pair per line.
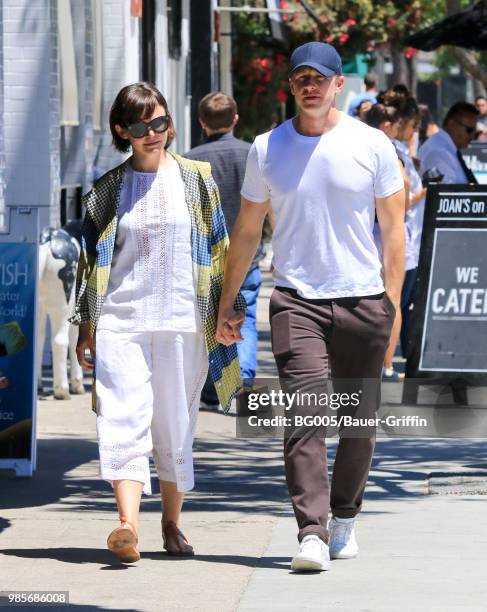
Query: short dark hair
x,y
370,80
380,113
459,110
407,107
134,103
480,98
217,110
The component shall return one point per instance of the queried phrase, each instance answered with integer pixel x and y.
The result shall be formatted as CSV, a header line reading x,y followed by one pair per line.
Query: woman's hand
x,y
228,327
85,341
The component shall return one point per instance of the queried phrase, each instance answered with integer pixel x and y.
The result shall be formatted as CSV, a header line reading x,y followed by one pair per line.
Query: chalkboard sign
x,y
475,156
449,320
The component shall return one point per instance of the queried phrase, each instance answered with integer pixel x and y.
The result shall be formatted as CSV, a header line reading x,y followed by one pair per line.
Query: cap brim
x,y
327,72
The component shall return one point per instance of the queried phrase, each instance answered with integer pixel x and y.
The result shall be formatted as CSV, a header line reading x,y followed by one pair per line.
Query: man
x,y
324,175
443,150
228,155
370,94
481,106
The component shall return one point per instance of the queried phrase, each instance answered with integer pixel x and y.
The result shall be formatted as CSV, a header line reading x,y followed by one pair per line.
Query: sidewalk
x,y
418,552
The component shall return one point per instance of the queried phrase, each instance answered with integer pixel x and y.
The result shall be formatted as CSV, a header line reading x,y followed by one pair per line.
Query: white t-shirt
x,y
323,190
151,285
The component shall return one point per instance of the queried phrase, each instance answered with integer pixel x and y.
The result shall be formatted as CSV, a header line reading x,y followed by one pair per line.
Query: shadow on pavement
x,y
232,475
226,479
105,558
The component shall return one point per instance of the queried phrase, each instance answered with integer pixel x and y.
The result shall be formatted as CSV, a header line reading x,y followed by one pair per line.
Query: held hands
x,y
85,341
229,324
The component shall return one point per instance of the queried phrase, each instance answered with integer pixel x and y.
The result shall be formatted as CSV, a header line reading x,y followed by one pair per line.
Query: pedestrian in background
x,y
370,94
146,298
443,150
324,174
228,156
386,119
409,118
481,106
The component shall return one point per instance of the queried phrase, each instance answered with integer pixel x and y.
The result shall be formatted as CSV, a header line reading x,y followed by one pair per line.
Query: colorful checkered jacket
x,y
209,243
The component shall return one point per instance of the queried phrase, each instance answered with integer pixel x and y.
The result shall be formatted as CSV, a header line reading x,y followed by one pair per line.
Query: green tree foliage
x,y
353,26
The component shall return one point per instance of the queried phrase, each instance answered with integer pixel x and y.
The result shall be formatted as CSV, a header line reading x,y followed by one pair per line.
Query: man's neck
x,y
209,133
316,126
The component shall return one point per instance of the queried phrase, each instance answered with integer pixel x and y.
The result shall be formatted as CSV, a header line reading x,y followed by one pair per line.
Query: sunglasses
x,y
468,128
141,128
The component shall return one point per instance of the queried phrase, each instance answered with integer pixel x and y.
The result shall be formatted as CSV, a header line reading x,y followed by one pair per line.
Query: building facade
x,y
61,64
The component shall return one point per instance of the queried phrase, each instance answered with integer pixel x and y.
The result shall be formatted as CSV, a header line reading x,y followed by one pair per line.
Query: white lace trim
x,y
154,233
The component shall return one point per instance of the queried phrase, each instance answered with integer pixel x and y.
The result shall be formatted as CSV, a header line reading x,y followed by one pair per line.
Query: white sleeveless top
x,y
151,285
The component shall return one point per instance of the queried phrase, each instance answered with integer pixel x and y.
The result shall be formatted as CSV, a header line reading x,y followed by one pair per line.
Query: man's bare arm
x,y
246,235
390,214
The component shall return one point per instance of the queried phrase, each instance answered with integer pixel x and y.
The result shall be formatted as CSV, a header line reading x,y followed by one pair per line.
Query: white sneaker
x,y
343,544
313,555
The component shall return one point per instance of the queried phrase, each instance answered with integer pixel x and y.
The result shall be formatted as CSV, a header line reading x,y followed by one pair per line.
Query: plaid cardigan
x,y
209,243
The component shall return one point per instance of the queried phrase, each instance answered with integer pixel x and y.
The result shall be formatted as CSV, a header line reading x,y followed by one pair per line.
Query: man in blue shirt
x,y
370,93
228,157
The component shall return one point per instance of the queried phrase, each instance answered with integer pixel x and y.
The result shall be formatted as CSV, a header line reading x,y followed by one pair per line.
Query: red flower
x,y
283,5
281,95
350,22
343,38
392,21
330,38
260,88
410,52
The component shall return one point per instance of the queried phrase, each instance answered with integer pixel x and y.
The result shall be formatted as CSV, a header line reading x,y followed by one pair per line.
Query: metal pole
x,y
249,9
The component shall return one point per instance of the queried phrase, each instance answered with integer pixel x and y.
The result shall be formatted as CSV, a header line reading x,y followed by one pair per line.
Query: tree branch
x,y
468,60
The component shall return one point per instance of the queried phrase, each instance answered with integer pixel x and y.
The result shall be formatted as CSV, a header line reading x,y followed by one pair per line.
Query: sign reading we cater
x,y
475,156
449,332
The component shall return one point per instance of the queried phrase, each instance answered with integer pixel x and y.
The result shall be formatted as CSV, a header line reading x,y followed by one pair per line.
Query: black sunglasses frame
x,y
140,129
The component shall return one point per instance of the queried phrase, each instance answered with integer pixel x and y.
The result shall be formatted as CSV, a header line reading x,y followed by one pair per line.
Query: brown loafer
x,y
122,542
174,540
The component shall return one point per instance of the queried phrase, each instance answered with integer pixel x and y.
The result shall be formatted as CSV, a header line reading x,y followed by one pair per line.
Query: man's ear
x,y
202,123
291,86
236,119
339,83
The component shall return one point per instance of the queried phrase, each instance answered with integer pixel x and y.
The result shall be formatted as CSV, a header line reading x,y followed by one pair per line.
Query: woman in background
x,y
386,119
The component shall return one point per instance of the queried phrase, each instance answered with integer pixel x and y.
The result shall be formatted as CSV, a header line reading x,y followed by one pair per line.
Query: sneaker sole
x,y
344,556
308,565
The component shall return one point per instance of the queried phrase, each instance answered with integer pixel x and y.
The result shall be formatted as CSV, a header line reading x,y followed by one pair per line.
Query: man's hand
x,y
85,341
229,324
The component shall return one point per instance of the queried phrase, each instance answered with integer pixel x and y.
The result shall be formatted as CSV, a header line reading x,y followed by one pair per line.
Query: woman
x,y
386,118
408,126
149,277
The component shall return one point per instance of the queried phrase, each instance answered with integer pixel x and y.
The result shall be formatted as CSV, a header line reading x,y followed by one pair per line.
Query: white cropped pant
x,y
148,388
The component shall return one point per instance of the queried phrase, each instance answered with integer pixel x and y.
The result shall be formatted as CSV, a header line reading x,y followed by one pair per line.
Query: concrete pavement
x,y
418,552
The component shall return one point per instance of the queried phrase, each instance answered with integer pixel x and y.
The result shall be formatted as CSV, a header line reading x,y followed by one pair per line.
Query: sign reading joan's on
x,y
449,322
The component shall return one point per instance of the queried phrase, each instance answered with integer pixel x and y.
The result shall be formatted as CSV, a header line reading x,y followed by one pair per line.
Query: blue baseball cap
x,y
321,56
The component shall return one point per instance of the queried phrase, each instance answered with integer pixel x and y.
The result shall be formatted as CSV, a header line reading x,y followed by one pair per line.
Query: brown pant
x,y
343,338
